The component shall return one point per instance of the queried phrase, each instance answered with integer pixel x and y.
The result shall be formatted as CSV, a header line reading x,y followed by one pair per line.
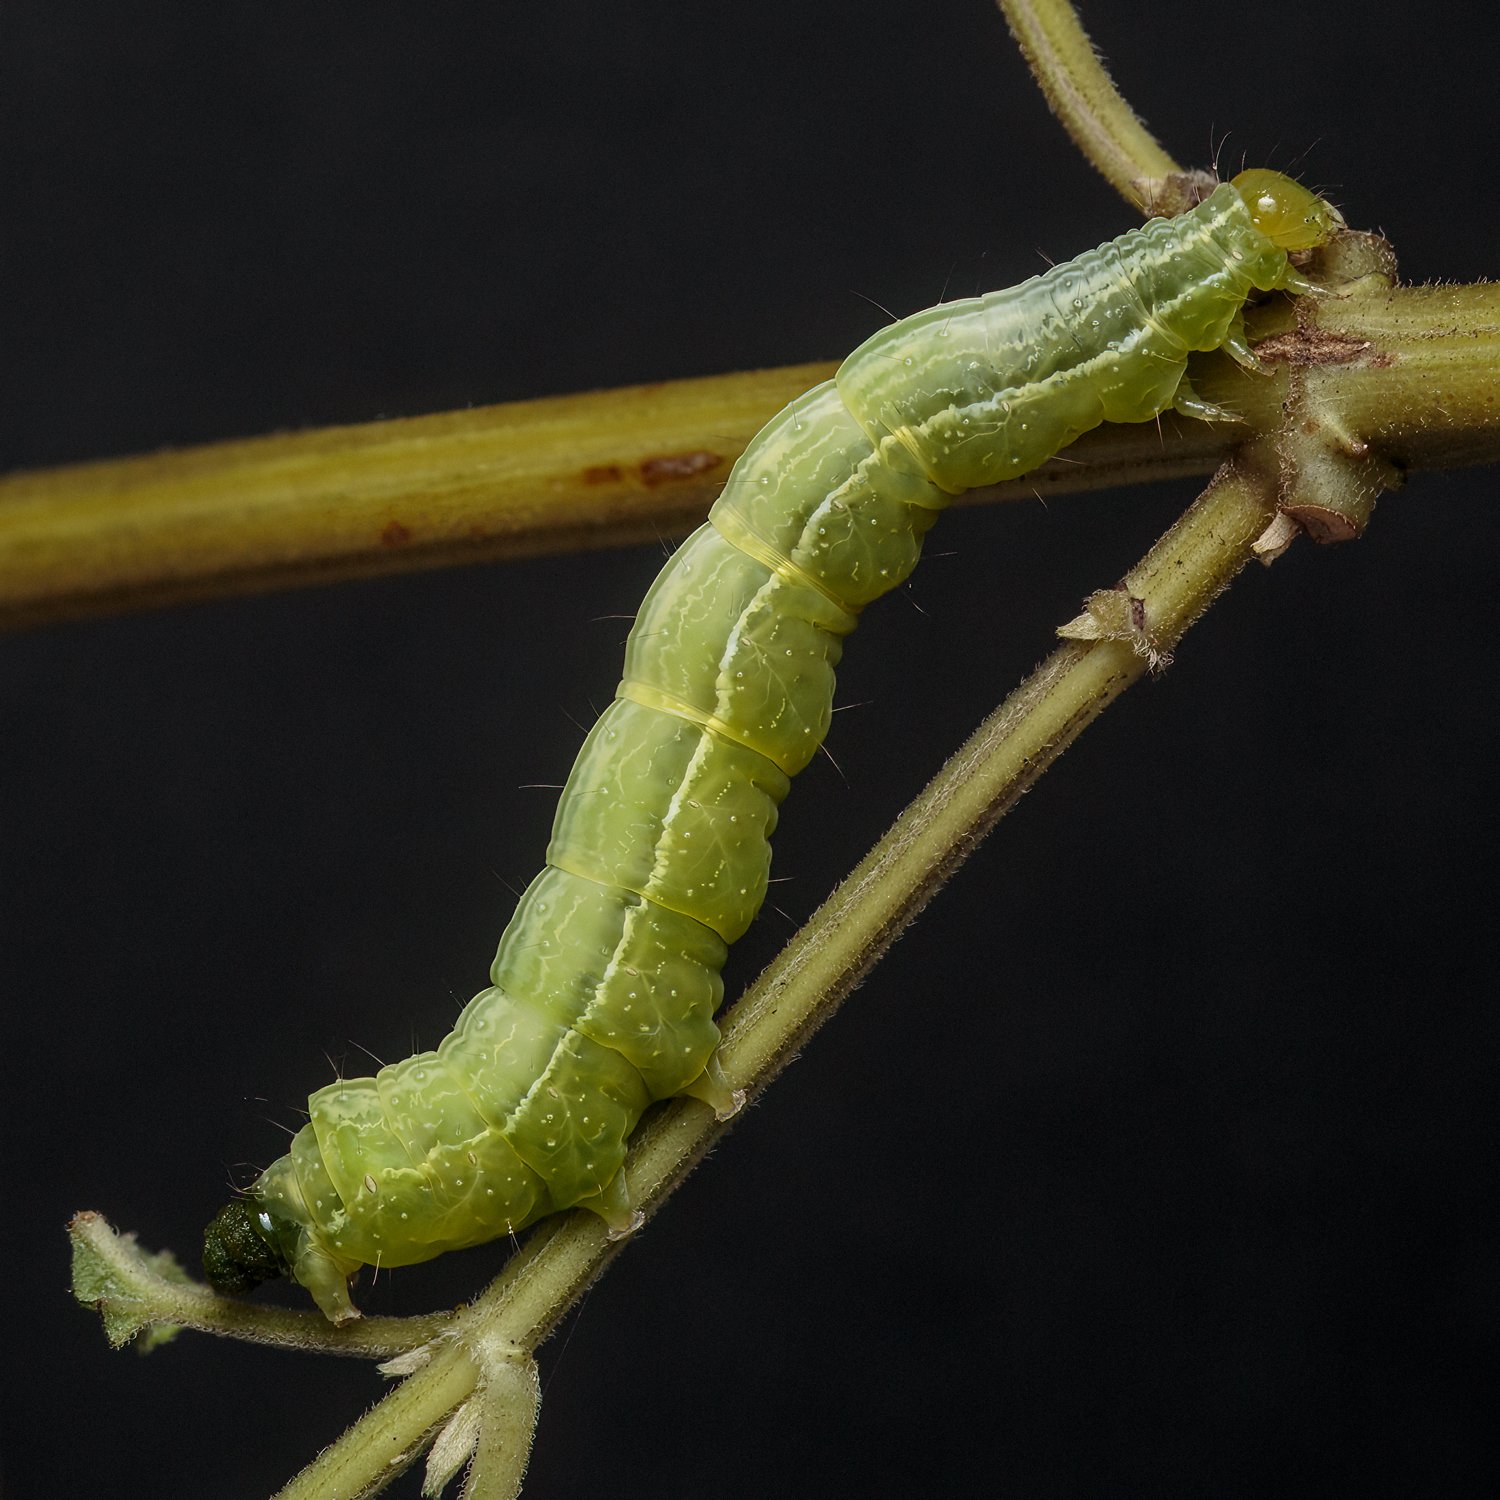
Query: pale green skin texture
x,y
607,978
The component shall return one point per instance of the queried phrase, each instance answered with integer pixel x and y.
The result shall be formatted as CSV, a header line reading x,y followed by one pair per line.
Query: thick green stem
x,y
1411,368
555,475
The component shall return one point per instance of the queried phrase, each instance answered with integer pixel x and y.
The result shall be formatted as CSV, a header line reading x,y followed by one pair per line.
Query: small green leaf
x,y
113,1275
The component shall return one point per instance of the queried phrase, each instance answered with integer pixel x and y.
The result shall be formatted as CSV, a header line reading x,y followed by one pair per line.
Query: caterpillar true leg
x,y
1191,404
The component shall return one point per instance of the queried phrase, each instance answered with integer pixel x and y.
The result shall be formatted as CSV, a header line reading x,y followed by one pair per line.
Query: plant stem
x,y
1084,98
553,475
1412,367
390,1437
136,1292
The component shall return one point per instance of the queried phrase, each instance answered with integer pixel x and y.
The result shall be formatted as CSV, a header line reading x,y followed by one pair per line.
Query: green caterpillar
x,y
608,977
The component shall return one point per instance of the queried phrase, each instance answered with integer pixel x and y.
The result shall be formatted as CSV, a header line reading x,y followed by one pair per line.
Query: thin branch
x,y
139,1294
1084,98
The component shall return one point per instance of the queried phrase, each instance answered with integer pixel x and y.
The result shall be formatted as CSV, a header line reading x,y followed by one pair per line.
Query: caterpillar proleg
x,y
607,978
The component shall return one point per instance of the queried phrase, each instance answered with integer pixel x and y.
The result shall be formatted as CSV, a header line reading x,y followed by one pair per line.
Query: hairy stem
x,y
1084,98
138,1293
553,475
389,1438
1412,366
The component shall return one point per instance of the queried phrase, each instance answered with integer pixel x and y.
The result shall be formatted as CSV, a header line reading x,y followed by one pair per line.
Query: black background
x,y
1152,1161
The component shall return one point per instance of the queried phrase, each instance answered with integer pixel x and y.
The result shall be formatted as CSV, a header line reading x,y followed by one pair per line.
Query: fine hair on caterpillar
x,y
606,980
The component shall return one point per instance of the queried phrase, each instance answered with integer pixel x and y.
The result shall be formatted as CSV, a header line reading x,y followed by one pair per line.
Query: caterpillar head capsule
x,y
1288,214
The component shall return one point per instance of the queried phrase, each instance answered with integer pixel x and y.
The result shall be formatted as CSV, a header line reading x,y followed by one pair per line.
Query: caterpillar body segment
x,y
607,978
985,389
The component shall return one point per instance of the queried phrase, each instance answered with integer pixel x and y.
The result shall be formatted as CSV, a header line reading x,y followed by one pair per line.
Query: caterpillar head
x,y
1288,214
240,1248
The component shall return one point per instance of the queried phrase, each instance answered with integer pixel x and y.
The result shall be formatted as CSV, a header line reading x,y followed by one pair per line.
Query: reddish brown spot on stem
x,y
394,535
670,467
603,474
